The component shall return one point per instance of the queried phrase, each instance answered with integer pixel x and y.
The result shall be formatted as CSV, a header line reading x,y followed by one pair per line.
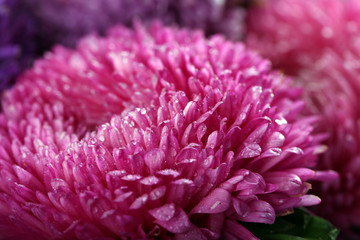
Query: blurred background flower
x,y
293,34
16,40
335,91
152,132
319,42
64,22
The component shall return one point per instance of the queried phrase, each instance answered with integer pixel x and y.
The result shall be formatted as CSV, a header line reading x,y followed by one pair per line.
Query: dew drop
x,y
101,138
281,121
143,111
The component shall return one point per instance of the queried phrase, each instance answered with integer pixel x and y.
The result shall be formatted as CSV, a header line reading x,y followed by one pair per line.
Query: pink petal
x,y
172,218
217,201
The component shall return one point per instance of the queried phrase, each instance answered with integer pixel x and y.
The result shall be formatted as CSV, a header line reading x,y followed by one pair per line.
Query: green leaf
x,y
300,225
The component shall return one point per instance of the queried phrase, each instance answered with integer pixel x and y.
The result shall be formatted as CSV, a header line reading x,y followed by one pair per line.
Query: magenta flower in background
x,y
319,41
152,133
16,41
293,33
335,94
66,21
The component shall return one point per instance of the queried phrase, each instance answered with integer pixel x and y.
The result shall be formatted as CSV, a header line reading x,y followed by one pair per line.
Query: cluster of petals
x,y
152,133
66,21
320,42
15,40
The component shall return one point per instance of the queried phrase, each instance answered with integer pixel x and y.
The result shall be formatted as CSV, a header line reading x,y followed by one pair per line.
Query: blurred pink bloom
x,y
336,93
152,133
320,42
293,33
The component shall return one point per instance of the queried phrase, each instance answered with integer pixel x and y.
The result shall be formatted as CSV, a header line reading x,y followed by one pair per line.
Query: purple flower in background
x,y
64,22
320,42
15,40
152,133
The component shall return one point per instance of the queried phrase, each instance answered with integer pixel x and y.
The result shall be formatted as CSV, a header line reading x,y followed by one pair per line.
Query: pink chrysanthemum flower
x,y
152,133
